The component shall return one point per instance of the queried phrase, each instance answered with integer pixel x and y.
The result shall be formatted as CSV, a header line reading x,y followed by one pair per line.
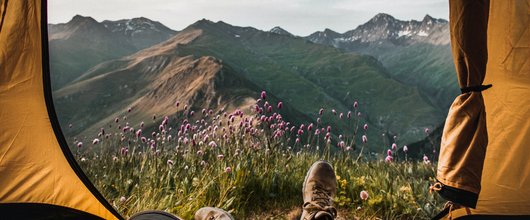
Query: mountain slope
x,y
83,42
79,44
416,53
304,75
150,82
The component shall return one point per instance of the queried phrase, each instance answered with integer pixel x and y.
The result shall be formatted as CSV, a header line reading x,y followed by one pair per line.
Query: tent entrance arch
x,y
39,173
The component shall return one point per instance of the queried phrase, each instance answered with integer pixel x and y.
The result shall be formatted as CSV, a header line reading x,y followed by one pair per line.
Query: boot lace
x,y
320,201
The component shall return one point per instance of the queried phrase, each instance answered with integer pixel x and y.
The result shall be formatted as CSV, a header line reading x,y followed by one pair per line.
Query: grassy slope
x,y
425,66
309,76
306,76
263,182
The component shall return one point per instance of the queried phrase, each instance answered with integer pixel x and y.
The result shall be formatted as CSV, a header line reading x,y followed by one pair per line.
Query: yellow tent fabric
x,y
505,175
464,139
33,167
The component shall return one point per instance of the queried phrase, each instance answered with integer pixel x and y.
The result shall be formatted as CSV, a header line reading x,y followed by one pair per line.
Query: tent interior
x,y
40,179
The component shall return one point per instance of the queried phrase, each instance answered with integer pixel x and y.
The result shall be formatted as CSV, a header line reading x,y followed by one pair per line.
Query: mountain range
x,y
416,53
83,42
217,65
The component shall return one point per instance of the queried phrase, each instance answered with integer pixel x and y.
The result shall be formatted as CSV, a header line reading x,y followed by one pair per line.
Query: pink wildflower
x,y
300,132
426,160
124,151
364,195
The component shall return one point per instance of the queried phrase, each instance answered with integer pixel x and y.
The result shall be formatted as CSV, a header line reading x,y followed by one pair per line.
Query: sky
x,y
300,17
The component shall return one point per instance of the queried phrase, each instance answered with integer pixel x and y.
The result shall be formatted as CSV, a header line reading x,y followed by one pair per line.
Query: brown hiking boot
x,y
320,186
211,213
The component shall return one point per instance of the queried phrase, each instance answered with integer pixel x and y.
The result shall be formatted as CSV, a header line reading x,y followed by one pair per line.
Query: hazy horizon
x,y
300,17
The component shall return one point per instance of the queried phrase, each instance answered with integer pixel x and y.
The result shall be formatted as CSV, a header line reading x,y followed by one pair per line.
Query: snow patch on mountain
x,y
280,31
384,27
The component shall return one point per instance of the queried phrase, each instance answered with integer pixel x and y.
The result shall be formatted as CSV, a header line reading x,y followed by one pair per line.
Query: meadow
x,y
252,163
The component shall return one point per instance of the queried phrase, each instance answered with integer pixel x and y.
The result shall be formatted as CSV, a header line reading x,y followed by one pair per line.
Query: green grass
x,y
266,173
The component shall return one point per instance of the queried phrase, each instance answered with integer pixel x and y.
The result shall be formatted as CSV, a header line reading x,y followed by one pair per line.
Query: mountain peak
x,y
428,19
385,28
142,19
382,17
276,28
280,31
141,32
203,22
78,19
329,31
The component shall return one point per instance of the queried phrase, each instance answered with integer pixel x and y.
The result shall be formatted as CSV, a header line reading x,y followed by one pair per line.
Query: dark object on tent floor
x,y
153,215
41,211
